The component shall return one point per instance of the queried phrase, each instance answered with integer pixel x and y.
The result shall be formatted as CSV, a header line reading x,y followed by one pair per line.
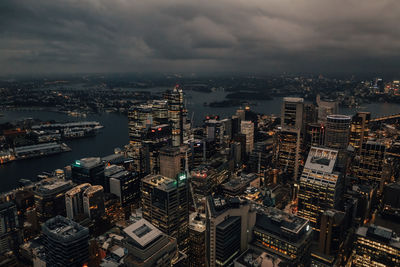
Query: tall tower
x,y
93,201
320,185
176,113
165,205
337,131
170,161
247,128
290,136
359,129
9,236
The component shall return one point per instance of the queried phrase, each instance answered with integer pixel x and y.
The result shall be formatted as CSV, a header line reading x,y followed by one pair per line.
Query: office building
x,y
176,114
50,198
165,205
359,129
148,246
74,200
247,128
331,239
93,202
197,242
66,242
10,236
320,185
89,170
369,167
170,161
284,235
252,258
125,185
288,153
236,186
337,131
292,112
376,246
228,224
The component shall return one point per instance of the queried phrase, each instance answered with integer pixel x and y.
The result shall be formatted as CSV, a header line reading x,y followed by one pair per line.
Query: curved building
x,y
337,131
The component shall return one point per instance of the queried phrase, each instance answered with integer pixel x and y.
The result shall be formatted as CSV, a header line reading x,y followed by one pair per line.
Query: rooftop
x,y
161,182
197,222
293,99
321,159
142,232
52,186
63,228
381,234
87,162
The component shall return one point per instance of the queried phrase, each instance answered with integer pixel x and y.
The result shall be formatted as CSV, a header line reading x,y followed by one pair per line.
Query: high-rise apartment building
x,y
359,129
376,246
247,128
320,185
165,205
66,242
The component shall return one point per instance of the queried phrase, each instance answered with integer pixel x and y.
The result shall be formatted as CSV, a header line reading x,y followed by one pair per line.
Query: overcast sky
x,y
45,36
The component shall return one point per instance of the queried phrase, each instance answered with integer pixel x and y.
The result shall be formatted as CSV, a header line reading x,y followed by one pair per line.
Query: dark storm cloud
x,y
199,35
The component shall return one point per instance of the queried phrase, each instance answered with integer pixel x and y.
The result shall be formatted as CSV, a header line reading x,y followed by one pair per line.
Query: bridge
x,y
386,118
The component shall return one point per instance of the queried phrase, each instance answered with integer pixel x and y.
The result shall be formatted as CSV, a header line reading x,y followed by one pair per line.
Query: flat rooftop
x,y
382,234
321,159
87,162
142,232
53,185
293,99
161,182
64,228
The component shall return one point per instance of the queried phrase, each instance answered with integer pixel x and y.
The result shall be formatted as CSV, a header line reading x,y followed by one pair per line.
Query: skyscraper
x,y
165,205
228,224
337,131
320,185
170,161
176,114
369,166
359,129
247,128
125,185
289,136
66,242
197,242
283,235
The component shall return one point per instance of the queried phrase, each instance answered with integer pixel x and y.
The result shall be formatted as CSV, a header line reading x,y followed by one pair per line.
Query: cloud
x,y
199,35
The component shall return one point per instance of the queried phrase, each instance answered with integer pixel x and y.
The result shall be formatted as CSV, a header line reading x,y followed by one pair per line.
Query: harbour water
x,y
115,132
